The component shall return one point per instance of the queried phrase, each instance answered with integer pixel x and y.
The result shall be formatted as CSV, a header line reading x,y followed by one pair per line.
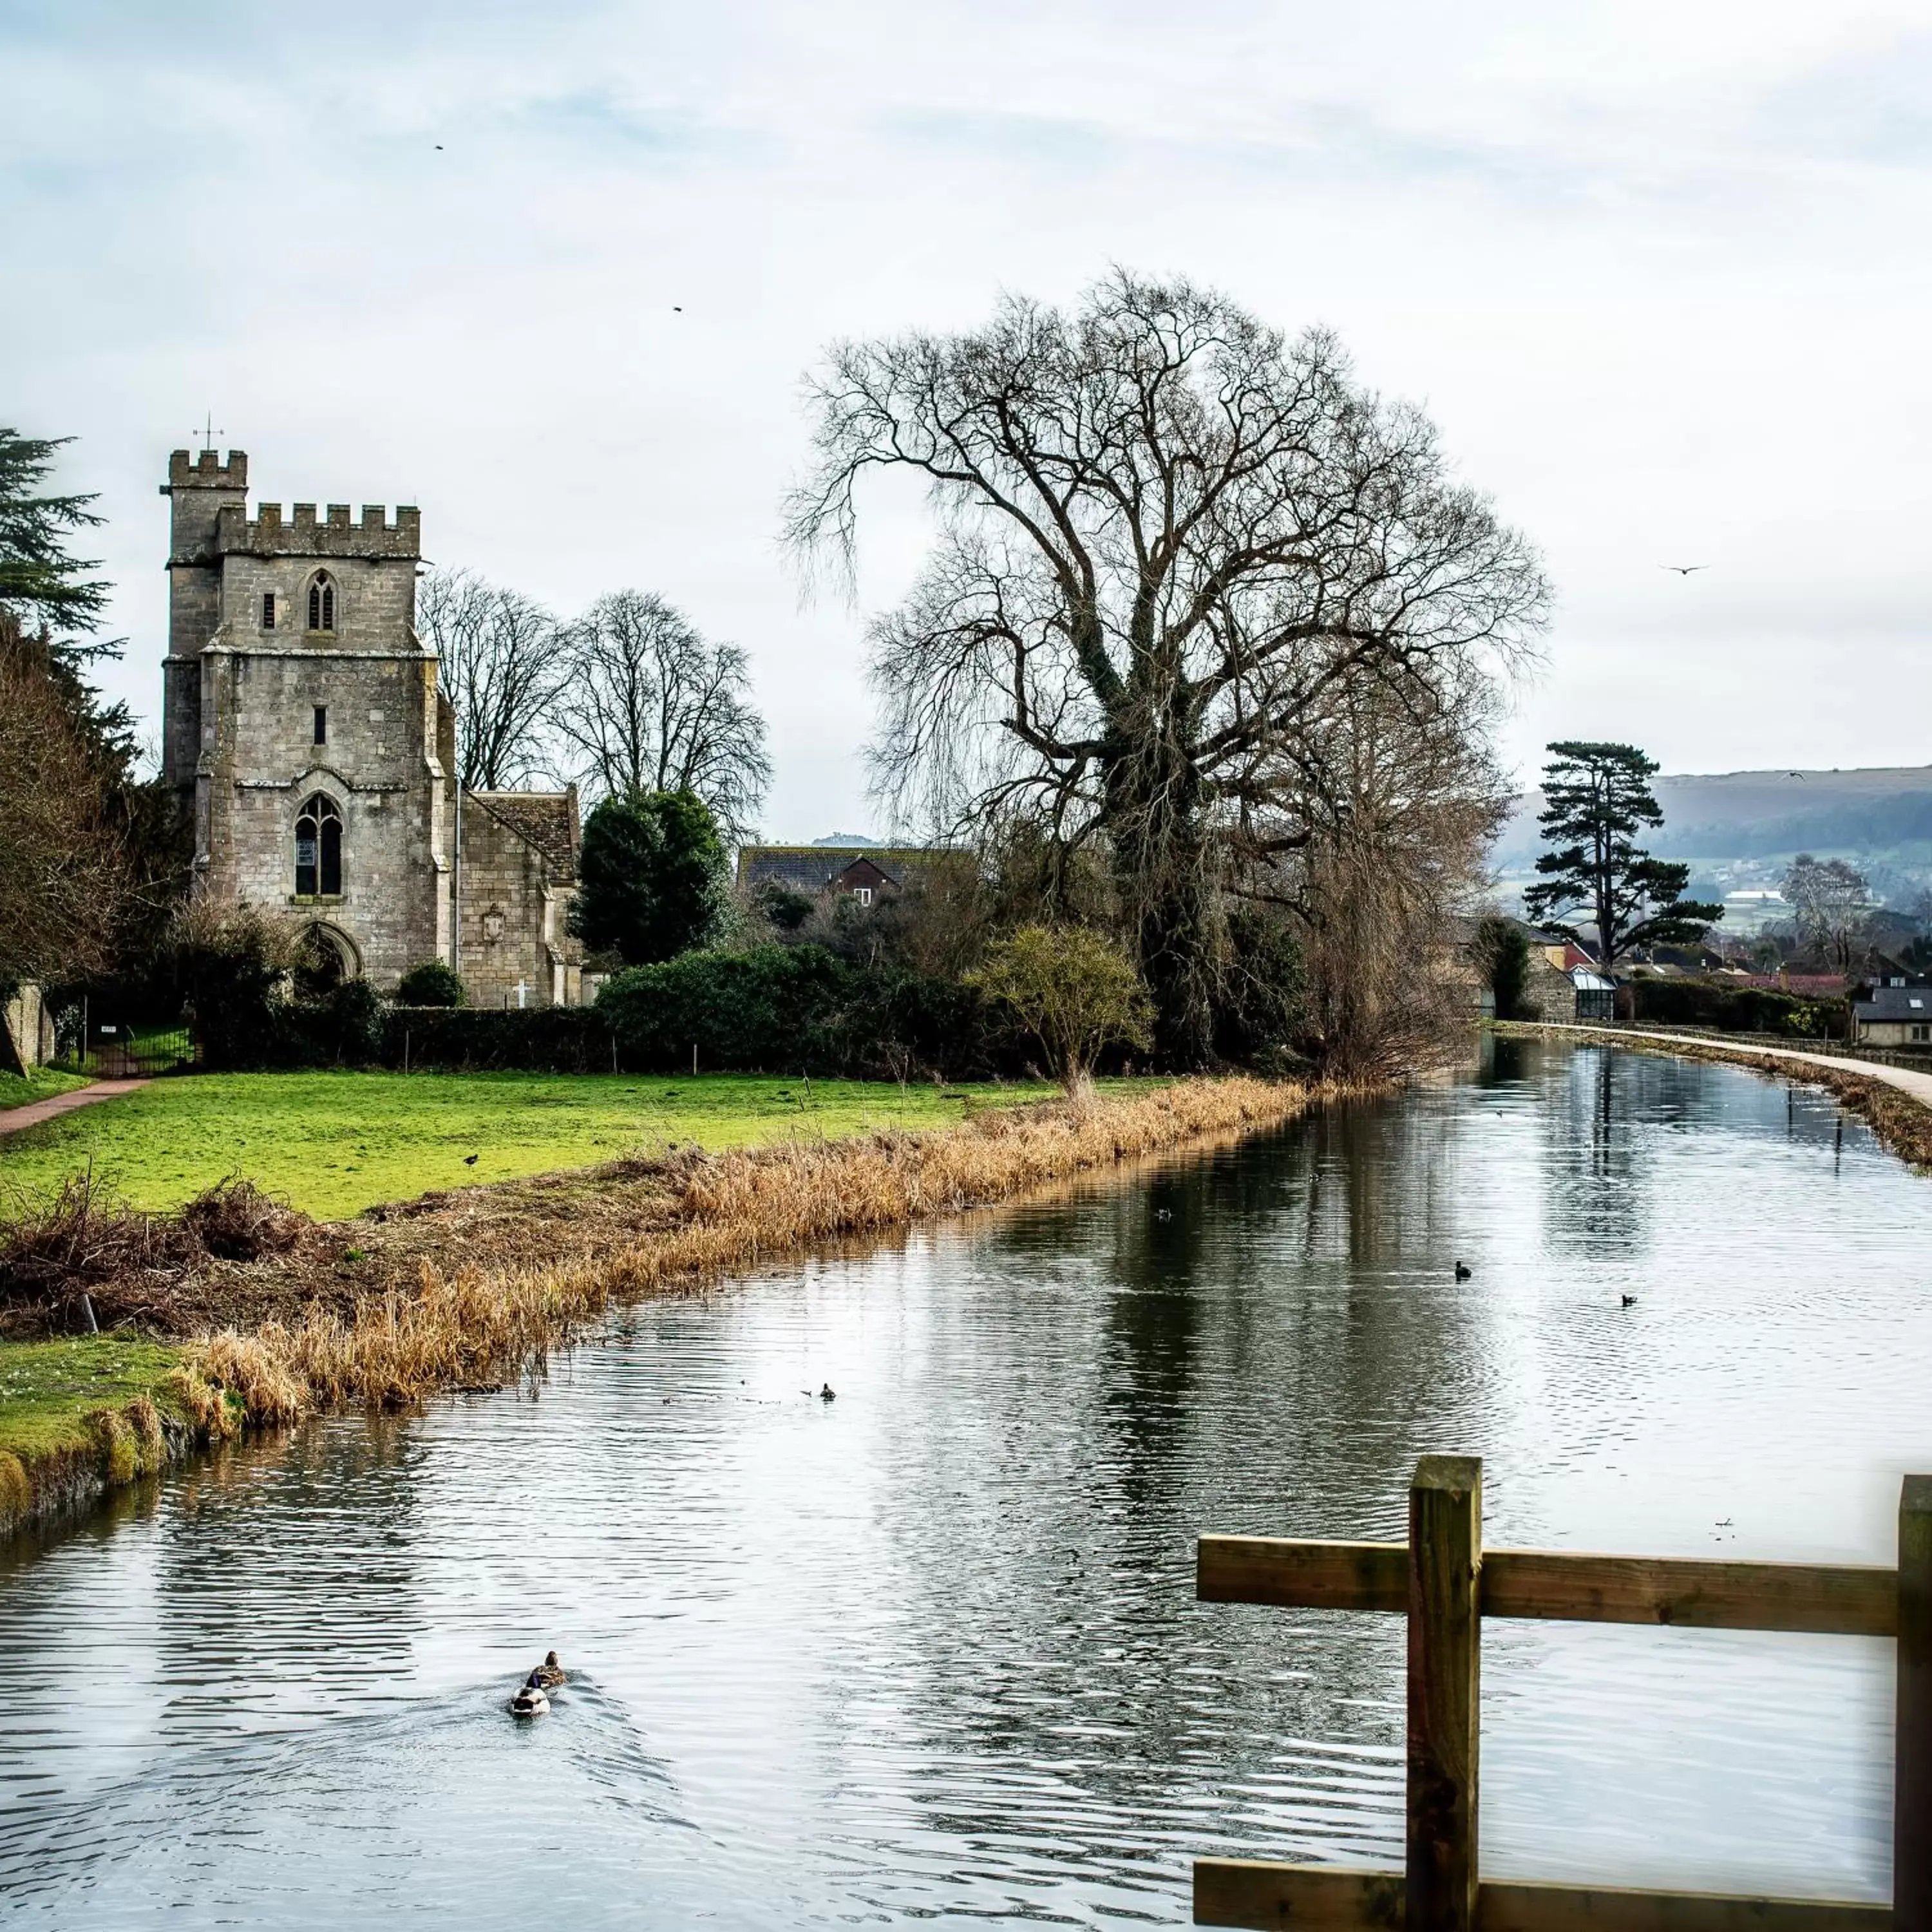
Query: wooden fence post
x,y
1912,1788
1445,1557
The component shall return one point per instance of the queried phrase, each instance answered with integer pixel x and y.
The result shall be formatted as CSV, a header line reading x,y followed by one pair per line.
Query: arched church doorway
x,y
324,958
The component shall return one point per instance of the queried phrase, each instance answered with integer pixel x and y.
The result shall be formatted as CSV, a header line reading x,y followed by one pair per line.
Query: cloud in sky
x,y
1658,272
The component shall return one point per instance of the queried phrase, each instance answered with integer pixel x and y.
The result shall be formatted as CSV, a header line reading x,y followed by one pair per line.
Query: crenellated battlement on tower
x,y
189,470
302,533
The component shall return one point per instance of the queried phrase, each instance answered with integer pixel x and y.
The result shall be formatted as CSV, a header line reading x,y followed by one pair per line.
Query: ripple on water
x,y
931,1652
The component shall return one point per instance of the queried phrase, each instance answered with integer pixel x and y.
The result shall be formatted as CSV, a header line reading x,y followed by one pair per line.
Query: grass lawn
x,y
47,1388
333,1143
42,1083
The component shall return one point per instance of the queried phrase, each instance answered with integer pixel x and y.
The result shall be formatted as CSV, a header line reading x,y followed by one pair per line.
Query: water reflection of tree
x,y
1266,1338
1389,1350
1596,1164
1613,1114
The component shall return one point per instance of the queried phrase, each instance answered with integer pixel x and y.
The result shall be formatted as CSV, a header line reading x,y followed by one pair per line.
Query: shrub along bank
x,y
782,1009
1729,1009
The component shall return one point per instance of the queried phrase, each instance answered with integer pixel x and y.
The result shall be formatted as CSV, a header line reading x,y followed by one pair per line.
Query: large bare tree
x,y
1832,901
1174,548
503,659
1404,804
653,705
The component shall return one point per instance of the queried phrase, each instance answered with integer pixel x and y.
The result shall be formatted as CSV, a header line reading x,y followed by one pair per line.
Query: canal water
x,y
929,1651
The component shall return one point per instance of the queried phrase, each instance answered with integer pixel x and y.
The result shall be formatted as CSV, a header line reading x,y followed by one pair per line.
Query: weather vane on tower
x,y
208,433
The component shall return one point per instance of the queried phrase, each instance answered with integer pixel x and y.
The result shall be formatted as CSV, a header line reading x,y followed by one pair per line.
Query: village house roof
x,y
1806,985
813,869
1885,971
547,820
1895,1003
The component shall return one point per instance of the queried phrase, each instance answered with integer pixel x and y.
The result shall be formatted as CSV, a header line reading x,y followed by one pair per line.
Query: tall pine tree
x,y
1597,800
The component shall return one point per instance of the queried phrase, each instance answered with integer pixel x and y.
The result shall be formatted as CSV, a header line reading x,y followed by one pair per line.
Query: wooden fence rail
x,y
1446,1582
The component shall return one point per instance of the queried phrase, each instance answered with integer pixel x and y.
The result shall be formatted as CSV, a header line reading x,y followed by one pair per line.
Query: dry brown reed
x,y
16,1492
726,1215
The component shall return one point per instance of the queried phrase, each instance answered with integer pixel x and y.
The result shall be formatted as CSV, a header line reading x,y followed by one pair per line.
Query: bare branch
x,y
503,660
651,705
1181,557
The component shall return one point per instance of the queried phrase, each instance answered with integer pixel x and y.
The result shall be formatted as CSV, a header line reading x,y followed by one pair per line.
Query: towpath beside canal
x,y
1905,1079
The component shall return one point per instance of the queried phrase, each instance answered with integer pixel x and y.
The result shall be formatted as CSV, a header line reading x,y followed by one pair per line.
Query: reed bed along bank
x,y
715,1216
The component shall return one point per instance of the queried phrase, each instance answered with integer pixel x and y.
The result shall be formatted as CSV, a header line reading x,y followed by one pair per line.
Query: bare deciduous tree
x,y
64,862
502,661
1174,546
1406,806
1832,899
651,705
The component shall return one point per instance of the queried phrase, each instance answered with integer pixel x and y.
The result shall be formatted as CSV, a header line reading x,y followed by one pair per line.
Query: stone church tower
x,y
304,726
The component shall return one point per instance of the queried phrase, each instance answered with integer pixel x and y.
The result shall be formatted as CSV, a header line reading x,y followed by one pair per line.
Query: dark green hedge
x,y
796,1010
535,1039
1729,1009
785,1009
774,1010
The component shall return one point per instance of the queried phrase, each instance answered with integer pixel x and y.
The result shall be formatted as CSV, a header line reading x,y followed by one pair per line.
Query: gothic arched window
x,y
322,602
319,848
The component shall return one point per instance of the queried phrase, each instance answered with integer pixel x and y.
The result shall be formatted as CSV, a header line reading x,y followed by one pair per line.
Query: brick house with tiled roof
x,y
867,872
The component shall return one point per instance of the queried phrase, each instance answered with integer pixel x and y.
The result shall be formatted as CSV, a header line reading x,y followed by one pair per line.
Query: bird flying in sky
x,y
1684,569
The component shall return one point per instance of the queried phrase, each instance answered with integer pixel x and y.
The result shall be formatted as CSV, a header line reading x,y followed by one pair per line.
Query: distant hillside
x,y
1738,830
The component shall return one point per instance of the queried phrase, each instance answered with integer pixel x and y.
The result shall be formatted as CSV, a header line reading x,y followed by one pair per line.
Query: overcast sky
x,y
1660,272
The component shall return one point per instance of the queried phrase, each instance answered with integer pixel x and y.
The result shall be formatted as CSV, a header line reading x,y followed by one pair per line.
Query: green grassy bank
x,y
80,1416
47,1389
334,1143
41,1083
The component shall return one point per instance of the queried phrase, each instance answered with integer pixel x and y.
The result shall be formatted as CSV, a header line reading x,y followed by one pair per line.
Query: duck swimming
x,y
529,1701
549,1672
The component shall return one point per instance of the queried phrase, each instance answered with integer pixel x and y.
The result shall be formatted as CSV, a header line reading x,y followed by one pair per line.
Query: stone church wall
x,y
374,767
513,923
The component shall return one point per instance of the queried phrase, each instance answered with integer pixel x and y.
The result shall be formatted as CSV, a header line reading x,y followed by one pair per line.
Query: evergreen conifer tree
x,y
1597,800
42,584
651,877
